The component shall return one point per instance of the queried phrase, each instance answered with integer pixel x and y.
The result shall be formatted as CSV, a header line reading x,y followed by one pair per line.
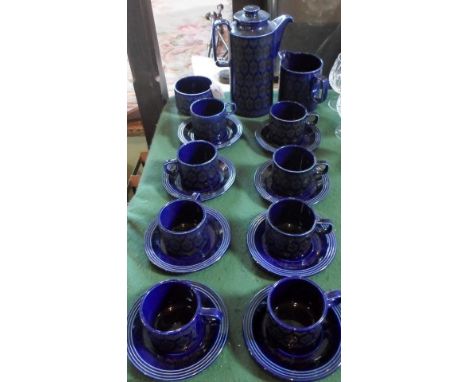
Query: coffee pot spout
x,y
280,25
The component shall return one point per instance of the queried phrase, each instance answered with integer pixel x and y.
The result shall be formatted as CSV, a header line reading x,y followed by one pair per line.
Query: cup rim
x,y
270,223
183,327
314,160
207,116
272,314
305,54
288,120
181,233
191,94
194,142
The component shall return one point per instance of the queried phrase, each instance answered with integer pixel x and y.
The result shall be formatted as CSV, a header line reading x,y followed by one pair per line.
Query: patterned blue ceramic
x,y
323,361
296,309
173,316
321,254
310,139
312,195
301,79
254,44
209,118
197,165
148,361
173,182
296,171
290,227
219,238
288,121
190,89
233,128
183,229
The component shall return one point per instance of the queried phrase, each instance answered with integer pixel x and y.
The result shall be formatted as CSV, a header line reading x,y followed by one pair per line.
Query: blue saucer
x,y
314,262
262,181
310,141
141,354
173,185
323,362
218,243
233,129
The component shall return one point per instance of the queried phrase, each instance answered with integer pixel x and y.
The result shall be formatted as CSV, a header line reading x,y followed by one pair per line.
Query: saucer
x,y
173,185
141,354
262,181
321,363
310,141
314,262
219,235
233,127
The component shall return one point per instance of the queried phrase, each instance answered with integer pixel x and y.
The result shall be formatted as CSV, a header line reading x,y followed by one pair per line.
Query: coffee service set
x,y
292,328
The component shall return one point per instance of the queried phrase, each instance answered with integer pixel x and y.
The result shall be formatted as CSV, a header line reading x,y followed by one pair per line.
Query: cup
x,y
209,118
301,79
197,164
295,171
290,227
288,122
189,89
296,309
174,318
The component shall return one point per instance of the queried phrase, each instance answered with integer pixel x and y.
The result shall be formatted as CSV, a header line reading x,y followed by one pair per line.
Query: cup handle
x,y
196,196
320,92
170,166
320,168
231,107
333,298
312,118
323,226
282,54
212,313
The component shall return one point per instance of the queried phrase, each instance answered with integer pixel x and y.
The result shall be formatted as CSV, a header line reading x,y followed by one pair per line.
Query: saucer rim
x,y
276,370
268,147
153,257
237,123
189,371
260,260
261,189
207,195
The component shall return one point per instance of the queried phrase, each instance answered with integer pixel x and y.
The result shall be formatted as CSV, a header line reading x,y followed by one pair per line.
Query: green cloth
x,y
235,277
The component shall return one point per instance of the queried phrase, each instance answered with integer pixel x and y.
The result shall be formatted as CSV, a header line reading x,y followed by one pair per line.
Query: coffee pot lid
x,y
251,16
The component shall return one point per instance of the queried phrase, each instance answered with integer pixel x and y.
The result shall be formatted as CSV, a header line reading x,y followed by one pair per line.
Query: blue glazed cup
x,y
183,228
197,164
289,229
174,318
189,89
288,121
301,79
209,118
296,309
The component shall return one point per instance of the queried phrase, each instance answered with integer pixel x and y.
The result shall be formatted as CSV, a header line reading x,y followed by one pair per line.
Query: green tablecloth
x,y
235,277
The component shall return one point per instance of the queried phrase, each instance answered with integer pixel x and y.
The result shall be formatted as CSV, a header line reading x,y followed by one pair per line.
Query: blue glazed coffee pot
x,y
254,45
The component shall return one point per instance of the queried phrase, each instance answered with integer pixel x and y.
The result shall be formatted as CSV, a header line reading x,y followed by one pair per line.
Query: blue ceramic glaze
x,y
254,45
209,118
321,254
301,79
296,171
153,364
219,238
322,362
289,229
288,121
311,195
172,182
233,126
189,89
197,165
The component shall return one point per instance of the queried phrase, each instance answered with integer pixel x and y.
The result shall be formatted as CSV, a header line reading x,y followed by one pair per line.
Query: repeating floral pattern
x,y
182,342
282,133
183,101
295,184
299,87
252,75
286,247
190,244
200,178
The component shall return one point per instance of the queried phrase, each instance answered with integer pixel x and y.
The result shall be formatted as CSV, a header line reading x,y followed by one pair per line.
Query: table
x,y
236,278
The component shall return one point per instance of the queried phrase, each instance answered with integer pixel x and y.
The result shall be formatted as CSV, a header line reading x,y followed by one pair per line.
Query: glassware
x,y
335,83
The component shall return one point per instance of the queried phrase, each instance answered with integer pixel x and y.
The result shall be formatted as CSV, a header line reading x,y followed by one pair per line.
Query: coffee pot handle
x,y
320,92
214,31
333,297
170,166
211,313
